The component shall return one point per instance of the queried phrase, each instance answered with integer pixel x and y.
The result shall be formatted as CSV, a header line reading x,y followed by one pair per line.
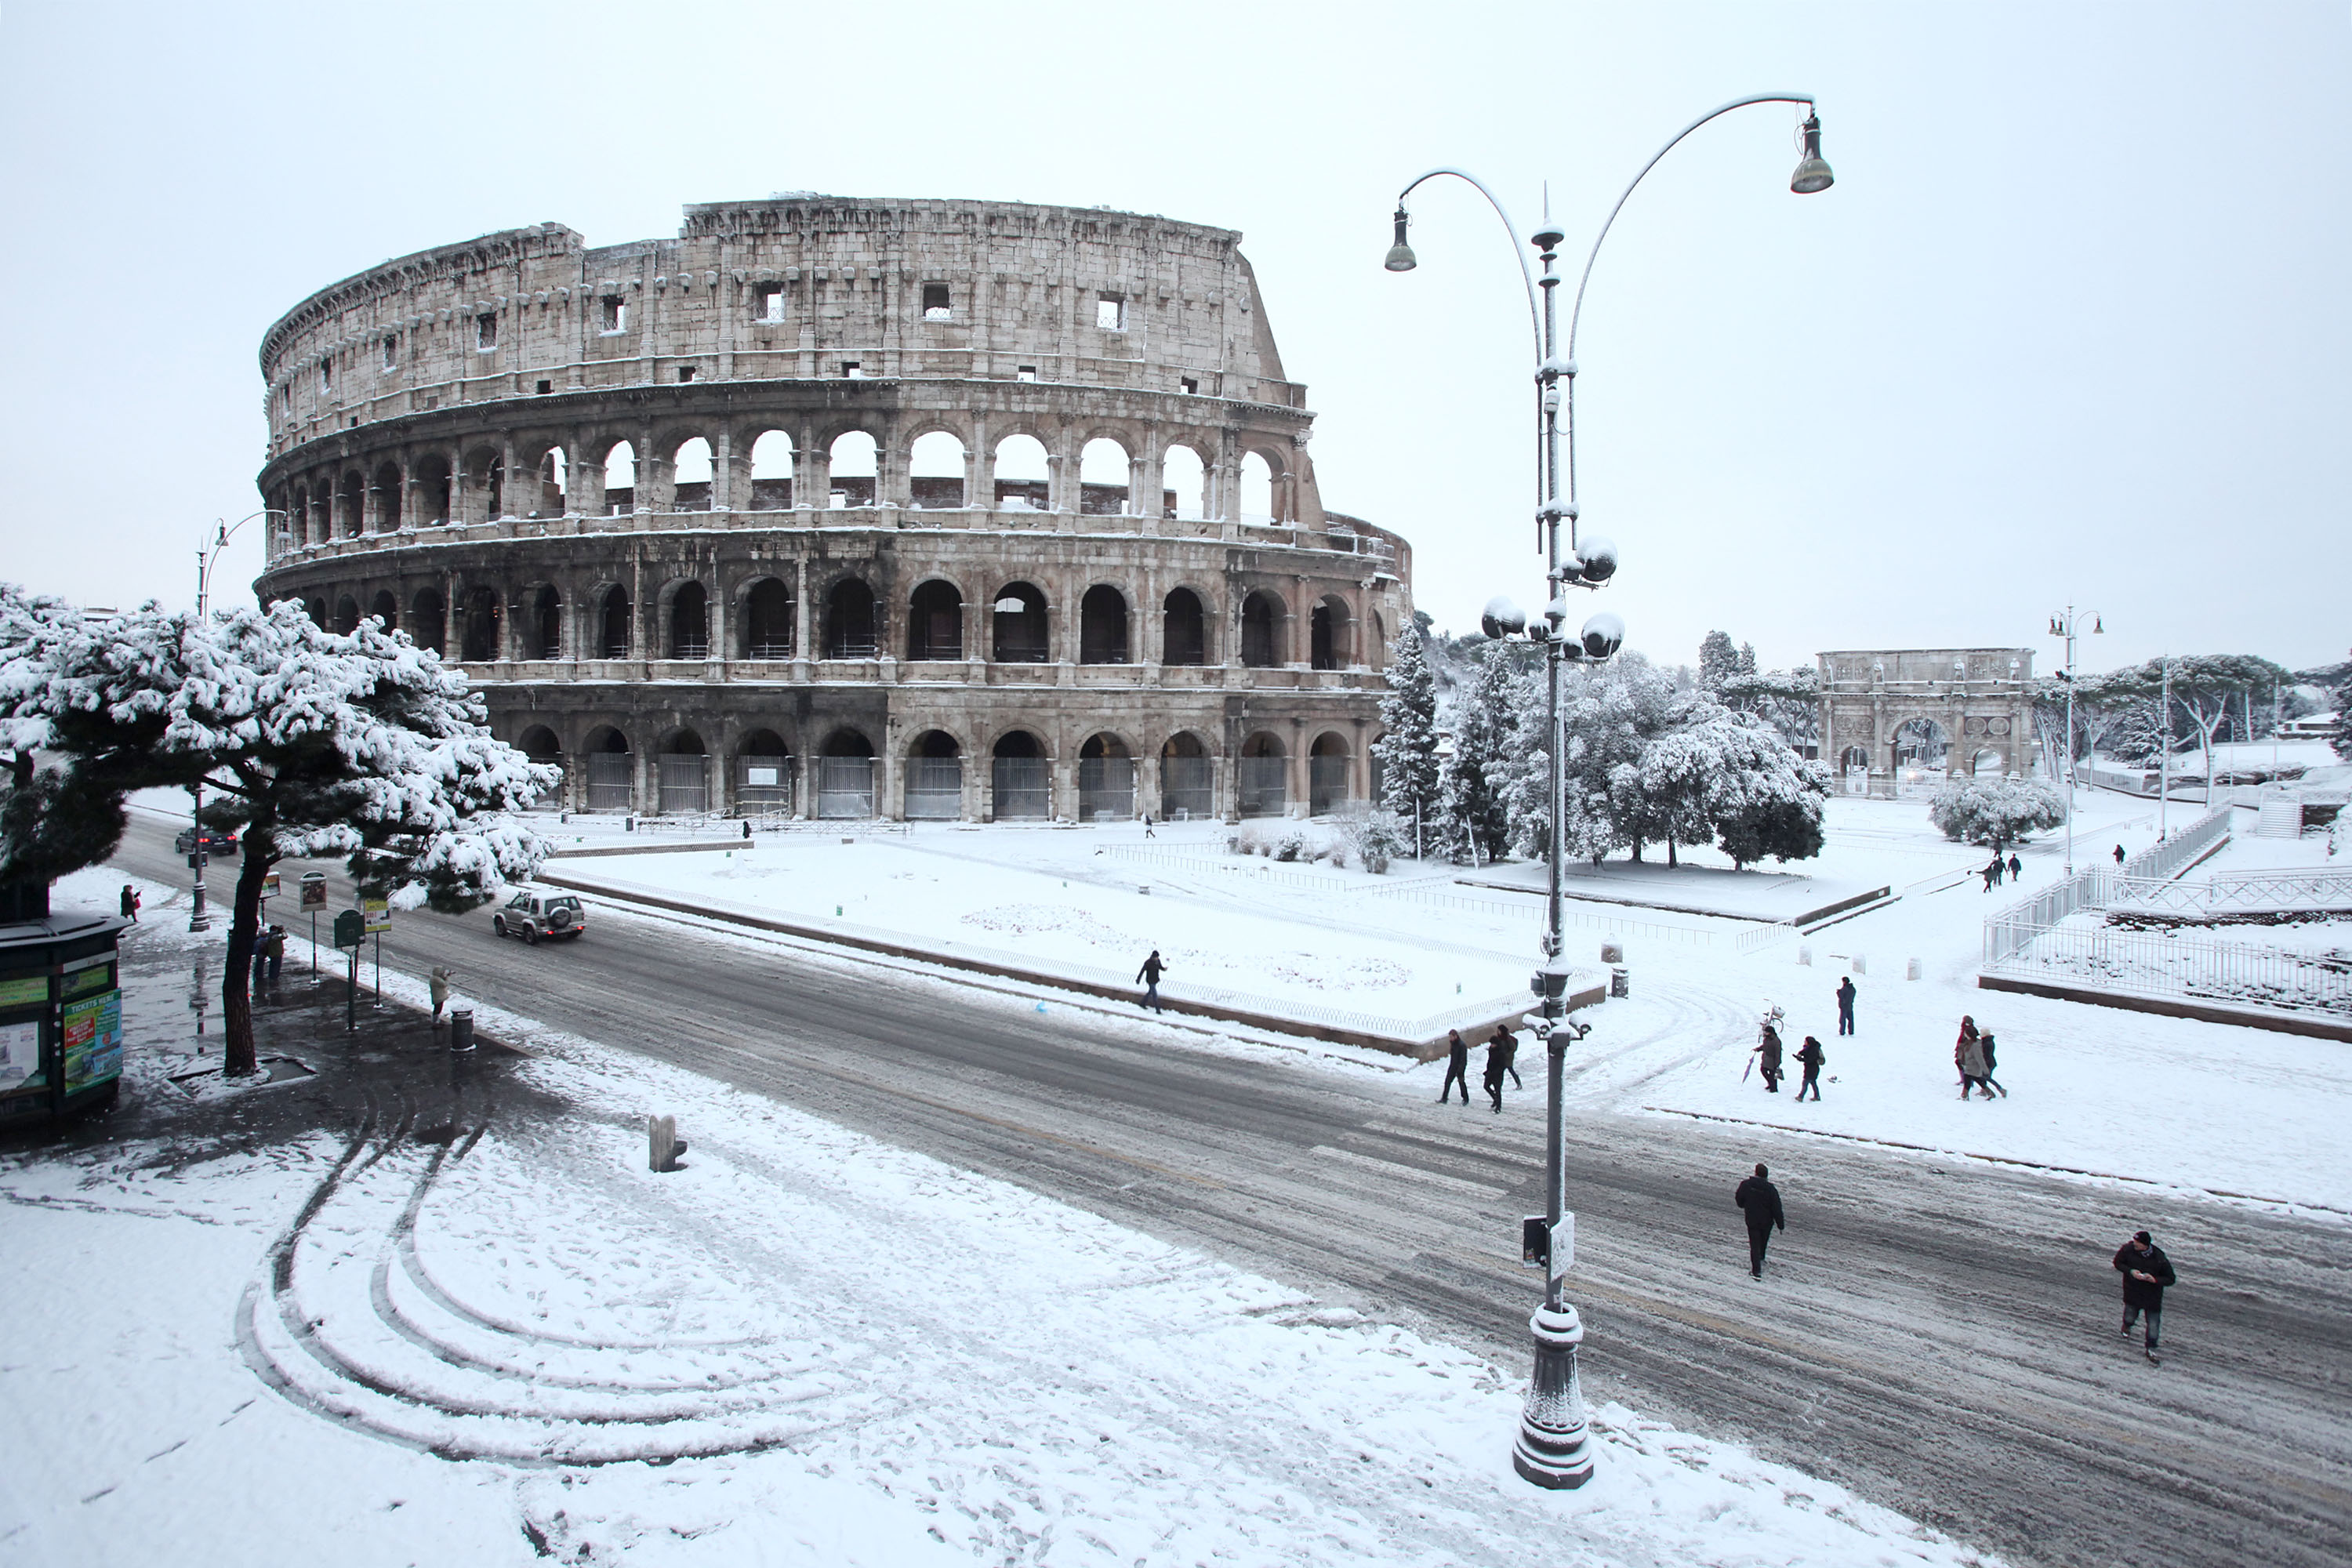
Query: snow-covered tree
x,y
1407,749
1995,811
309,742
1607,715
1764,799
1719,660
1472,812
1788,700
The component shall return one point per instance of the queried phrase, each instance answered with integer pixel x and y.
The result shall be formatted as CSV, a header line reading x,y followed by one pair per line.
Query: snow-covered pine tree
x,y
1718,661
1475,819
1407,749
1747,660
308,743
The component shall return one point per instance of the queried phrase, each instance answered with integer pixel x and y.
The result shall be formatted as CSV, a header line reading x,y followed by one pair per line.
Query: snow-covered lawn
x,y
826,1350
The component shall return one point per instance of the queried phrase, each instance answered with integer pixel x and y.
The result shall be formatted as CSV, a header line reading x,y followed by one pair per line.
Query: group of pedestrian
x,y
1996,869
1768,1051
268,956
1973,1054
2147,1271
1502,1061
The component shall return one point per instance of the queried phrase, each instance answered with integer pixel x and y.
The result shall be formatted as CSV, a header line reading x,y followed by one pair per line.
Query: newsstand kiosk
x,y
60,1008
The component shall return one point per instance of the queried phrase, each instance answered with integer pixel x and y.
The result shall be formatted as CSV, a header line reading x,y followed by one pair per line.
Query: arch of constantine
x,y
1882,708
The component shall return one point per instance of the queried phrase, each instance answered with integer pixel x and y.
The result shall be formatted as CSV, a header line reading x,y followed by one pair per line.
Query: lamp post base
x,y
1555,1445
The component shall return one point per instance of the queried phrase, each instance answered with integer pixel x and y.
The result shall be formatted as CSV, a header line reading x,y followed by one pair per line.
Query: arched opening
x,y
1920,748
539,744
691,475
1102,625
683,770
1104,477
1853,760
935,472
845,784
1188,779
347,615
1327,776
1329,644
429,486
1020,631
547,623
385,608
1265,777
1258,489
1105,780
768,620
483,473
428,621
480,642
612,784
935,622
1184,638
854,467
1990,763
1261,618
1184,483
771,472
850,624
1022,484
935,778
613,623
349,502
763,775
383,498
554,484
690,622
298,508
1021,778
314,610
620,480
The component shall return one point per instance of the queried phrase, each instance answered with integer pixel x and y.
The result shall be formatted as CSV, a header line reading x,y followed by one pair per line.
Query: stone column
x,y
722,471
804,619
656,490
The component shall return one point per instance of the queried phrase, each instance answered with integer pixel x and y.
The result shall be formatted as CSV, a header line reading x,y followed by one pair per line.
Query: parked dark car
x,y
537,913
215,842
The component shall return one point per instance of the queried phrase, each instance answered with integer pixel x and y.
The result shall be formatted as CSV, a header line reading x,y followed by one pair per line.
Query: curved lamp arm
x,y
1527,277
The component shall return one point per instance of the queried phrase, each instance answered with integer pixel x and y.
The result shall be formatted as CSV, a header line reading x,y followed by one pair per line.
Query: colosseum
x,y
840,508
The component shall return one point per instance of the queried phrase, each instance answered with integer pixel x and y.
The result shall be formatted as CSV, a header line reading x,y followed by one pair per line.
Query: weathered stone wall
x,y
442,427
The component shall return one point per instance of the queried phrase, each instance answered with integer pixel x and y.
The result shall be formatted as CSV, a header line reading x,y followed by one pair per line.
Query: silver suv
x,y
537,913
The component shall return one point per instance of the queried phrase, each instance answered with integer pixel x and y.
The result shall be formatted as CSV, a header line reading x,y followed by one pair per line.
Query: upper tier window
x,y
938,305
616,314
768,302
1110,312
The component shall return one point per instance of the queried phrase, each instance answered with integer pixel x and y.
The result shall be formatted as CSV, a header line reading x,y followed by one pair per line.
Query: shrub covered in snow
x,y
1995,811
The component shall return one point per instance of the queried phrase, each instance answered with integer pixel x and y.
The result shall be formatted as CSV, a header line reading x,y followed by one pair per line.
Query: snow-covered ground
x,y
826,1349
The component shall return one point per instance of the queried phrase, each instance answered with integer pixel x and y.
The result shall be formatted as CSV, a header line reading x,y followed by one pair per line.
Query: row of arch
x,y
1099,474
938,776
1016,625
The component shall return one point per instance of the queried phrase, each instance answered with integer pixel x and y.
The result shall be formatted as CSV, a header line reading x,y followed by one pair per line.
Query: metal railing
x,y
2237,892
2172,963
2181,850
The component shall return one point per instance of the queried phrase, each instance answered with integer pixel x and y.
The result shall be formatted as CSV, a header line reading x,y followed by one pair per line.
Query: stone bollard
x,y
1858,963
1613,952
663,1145
1911,970
461,1028
1804,955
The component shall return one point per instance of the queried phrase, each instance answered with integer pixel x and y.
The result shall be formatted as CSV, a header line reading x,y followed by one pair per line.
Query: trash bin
x,y
461,1028
1618,985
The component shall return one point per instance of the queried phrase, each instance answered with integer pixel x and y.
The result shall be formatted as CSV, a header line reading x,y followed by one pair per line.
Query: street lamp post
x,y
206,555
2066,623
1554,1445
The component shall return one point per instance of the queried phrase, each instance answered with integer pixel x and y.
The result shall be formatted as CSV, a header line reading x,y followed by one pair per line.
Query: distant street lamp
x,y
1554,1446
206,554
2066,623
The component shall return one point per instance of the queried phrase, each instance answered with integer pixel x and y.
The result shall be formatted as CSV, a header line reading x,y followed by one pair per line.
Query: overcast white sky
x,y
2074,323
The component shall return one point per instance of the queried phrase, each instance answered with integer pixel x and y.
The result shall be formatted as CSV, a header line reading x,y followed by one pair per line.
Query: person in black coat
x,y
1457,1066
1759,1200
1768,1059
2119,854
2147,1271
1845,1006
1149,976
2016,869
1810,1056
1499,1047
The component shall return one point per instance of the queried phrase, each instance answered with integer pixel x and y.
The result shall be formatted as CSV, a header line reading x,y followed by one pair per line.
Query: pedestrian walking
x,y
439,985
1150,974
2016,868
1457,1066
277,953
1149,834
1510,1044
1499,1046
1997,869
2119,854
129,903
1984,1044
1759,1200
2147,1271
1967,1055
1768,1059
1845,1006
1811,1056
1986,872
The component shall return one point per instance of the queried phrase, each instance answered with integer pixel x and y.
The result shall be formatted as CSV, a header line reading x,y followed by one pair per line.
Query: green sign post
x,y
351,931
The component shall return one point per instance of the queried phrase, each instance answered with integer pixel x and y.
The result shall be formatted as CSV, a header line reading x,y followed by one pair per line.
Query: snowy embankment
x,y
826,1350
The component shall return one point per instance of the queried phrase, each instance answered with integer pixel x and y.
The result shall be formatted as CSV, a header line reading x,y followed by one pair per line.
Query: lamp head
x,y
1604,634
1598,557
1502,618
1401,257
1812,172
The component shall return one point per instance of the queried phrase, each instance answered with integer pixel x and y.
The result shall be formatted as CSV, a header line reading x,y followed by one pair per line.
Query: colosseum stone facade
x,y
847,508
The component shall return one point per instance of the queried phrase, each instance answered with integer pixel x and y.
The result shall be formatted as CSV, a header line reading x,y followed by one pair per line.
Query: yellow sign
x,y
378,912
